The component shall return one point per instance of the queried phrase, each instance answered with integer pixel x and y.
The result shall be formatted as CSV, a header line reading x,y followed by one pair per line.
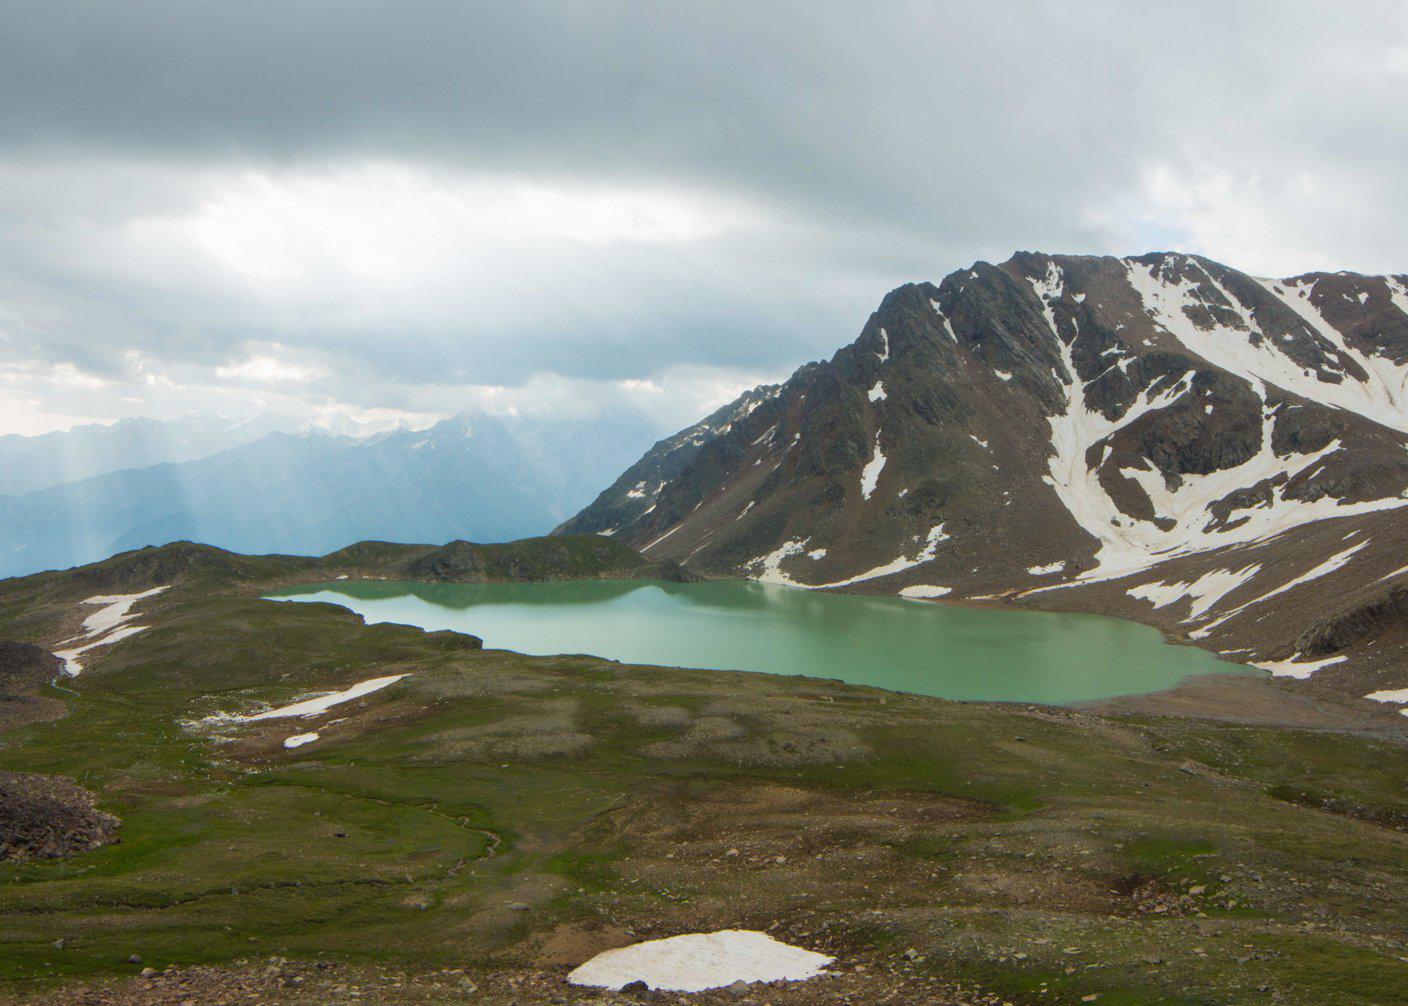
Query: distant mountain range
x,y
258,487
30,463
1160,437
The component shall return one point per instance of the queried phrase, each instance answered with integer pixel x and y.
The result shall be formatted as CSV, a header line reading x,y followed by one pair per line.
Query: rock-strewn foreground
x,y
488,821
43,817
1162,438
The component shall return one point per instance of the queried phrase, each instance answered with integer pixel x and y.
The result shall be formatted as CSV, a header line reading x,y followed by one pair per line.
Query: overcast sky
x,y
405,209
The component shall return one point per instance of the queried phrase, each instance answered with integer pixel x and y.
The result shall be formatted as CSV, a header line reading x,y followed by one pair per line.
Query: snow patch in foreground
x,y
700,961
1047,570
322,703
305,708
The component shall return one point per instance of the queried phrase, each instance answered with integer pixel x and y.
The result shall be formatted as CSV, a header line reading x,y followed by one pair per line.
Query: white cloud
x,y
27,416
1268,223
68,374
268,370
293,235
671,398
396,270
521,210
36,397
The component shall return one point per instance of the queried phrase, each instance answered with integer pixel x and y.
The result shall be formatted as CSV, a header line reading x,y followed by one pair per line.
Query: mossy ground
x,y
1031,853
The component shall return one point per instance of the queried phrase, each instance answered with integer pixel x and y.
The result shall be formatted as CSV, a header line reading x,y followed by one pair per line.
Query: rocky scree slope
x,y
1160,437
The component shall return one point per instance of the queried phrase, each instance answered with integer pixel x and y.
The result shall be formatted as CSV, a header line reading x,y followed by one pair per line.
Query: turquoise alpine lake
x,y
906,646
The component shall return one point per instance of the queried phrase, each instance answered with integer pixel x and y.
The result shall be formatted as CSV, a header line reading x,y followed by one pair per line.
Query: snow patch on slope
x,y
1205,591
1397,293
921,590
1074,432
1248,351
1331,564
1296,668
110,619
322,703
1393,695
1127,545
1398,695
1383,397
935,536
870,474
667,534
117,608
72,666
1389,576
768,568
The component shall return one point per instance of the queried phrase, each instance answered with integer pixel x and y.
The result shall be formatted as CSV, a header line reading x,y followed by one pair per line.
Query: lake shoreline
x,y
1252,700
1241,694
957,652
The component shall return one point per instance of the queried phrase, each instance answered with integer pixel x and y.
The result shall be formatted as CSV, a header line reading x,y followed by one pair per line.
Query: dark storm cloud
x,y
152,156
877,113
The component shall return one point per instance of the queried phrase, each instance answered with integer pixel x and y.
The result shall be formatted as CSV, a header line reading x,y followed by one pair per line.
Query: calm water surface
x,y
909,646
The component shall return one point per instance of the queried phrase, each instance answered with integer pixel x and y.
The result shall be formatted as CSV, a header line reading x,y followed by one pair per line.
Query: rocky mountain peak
x,y
1050,424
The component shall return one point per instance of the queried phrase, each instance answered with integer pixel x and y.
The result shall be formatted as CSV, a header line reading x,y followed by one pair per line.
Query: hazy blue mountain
x,y
473,477
31,463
